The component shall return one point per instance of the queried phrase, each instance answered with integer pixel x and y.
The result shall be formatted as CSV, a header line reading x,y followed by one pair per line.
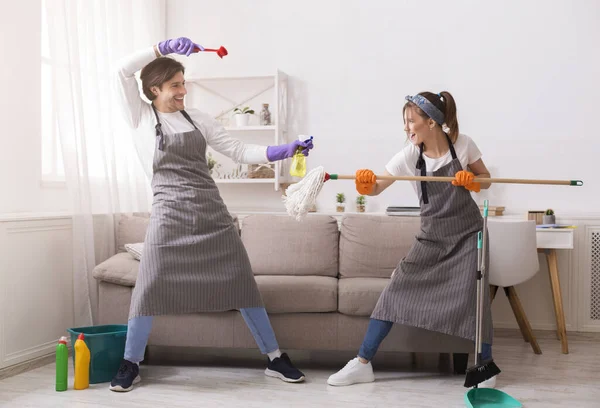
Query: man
x,y
193,259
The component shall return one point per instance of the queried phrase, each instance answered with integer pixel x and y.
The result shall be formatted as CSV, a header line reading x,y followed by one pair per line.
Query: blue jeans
x,y
377,331
138,331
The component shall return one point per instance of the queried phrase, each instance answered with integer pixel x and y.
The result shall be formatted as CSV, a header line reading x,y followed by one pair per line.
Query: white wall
x,y
523,73
20,129
524,76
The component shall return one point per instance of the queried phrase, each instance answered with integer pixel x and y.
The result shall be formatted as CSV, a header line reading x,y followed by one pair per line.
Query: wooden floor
x,y
548,380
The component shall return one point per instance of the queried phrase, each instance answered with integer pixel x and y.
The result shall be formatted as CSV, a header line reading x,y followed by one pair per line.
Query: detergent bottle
x,y
62,364
82,364
298,167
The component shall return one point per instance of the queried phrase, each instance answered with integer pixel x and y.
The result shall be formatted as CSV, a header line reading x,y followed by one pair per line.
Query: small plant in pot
x,y
212,164
360,203
340,199
242,115
549,217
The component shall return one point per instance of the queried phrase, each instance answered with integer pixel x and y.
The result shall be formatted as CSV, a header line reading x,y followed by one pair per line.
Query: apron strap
x,y
422,166
159,132
185,115
158,127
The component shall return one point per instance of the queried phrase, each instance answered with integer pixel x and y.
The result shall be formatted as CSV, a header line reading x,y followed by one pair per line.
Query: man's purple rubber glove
x,y
181,45
287,150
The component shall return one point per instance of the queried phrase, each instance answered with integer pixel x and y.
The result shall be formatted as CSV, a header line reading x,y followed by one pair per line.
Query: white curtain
x,y
103,175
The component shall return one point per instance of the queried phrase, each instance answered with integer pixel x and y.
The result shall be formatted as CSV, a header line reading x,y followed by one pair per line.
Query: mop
x,y
484,370
301,196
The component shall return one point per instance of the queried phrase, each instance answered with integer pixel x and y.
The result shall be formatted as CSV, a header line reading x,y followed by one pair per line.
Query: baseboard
x,y
28,365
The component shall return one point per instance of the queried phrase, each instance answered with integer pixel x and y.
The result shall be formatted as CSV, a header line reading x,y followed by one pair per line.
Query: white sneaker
x,y
354,372
491,383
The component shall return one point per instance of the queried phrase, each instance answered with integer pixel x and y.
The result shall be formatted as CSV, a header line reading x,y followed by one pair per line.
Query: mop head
x,y
301,196
480,373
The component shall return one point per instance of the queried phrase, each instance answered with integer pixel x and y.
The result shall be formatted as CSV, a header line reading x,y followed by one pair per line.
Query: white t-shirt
x,y
404,163
140,116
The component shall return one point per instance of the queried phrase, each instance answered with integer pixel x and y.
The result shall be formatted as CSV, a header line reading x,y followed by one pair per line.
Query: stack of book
x,y
404,211
493,211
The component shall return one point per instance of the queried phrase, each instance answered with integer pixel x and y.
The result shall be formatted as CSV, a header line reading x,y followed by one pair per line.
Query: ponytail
x,y
450,115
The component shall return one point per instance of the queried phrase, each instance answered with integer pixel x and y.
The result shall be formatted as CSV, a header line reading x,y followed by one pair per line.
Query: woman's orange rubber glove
x,y
365,181
465,179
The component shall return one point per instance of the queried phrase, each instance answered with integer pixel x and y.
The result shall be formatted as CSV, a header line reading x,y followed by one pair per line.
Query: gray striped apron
x,y
435,286
193,259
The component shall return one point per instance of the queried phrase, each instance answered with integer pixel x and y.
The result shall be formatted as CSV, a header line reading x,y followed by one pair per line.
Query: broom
x,y
482,370
301,196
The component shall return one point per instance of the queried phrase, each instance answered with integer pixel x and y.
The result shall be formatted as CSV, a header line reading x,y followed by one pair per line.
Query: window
x,y
52,161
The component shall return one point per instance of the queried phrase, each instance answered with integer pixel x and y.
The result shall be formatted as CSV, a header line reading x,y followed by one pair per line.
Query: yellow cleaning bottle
x,y
82,364
298,167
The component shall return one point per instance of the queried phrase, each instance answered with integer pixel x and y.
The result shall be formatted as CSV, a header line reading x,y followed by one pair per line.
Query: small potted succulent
x,y
360,203
340,199
242,115
549,217
212,164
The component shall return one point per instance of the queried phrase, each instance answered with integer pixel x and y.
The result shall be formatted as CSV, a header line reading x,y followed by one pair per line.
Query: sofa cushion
x,y
372,245
280,245
298,294
120,269
131,229
358,296
135,250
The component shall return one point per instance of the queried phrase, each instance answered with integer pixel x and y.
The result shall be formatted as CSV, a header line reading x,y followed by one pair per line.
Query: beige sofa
x,y
319,282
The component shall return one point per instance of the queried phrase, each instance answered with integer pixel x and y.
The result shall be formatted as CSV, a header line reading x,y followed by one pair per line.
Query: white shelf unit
x,y
220,96
249,128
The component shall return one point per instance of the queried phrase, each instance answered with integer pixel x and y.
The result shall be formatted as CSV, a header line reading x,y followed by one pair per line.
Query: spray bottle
x,y
298,167
82,364
62,364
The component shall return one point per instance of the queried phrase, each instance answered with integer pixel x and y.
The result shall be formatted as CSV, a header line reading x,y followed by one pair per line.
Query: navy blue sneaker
x,y
127,376
282,368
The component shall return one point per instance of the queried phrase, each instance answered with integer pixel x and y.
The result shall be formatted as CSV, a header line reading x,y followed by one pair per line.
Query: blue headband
x,y
429,108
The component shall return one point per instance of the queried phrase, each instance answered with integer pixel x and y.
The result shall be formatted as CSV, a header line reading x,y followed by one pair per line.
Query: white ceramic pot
x,y
241,119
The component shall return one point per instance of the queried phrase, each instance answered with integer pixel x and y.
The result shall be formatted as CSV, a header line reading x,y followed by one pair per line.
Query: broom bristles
x,y
301,196
480,373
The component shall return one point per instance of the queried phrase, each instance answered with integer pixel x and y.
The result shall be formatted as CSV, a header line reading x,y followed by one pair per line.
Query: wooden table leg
x,y
561,326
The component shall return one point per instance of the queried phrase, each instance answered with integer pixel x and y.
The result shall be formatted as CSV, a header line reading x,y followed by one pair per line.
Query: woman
x,y
193,259
434,286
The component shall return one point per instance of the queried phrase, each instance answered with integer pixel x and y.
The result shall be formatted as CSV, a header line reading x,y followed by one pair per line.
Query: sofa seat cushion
x,y
120,269
371,246
298,294
358,296
280,245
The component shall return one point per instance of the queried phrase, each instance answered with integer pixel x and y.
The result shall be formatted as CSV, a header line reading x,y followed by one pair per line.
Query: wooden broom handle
x,y
478,180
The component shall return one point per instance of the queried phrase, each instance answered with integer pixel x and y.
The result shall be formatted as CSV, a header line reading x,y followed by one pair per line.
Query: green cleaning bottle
x,y
62,364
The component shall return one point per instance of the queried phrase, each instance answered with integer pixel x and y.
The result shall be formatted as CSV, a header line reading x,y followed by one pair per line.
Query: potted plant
x,y
549,217
242,115
360,203
340,199
212,164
